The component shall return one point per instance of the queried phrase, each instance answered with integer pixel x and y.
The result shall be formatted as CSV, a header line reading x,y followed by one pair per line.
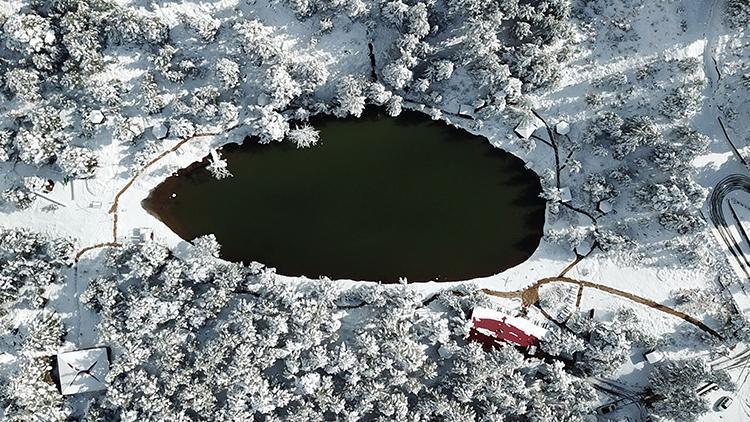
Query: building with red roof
x,y
492,328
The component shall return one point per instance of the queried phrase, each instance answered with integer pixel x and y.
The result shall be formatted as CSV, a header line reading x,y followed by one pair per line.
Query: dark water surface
x,y
379,198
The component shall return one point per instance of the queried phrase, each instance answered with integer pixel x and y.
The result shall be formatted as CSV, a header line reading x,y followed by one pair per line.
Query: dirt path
x,y
129,184
530,296
97,246
116,202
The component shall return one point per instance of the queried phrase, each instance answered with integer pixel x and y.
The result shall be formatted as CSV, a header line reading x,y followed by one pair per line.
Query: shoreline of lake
x,y
525,201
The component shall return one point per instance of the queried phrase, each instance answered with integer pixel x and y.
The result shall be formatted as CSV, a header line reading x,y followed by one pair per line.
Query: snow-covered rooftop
x,y
83,371
522,324
527,127
562,128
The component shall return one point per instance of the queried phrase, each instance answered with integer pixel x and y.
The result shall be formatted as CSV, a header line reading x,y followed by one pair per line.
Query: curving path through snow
x,y
530,296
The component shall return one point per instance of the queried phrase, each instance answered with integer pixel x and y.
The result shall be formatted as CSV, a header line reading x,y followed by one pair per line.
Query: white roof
x,y
96,116
527,127
605,207
159,131
565,195
654,356
467,110
562,128
83,370
522,324
136,125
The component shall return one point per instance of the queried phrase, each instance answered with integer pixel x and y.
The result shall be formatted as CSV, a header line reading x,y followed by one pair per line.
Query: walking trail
x,y
529,295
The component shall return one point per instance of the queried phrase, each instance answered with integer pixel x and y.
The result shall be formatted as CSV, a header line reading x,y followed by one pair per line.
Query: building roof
x,y
565,195
525,129
466,110
654,356
96,117
83,371
159,131
498,325
562,128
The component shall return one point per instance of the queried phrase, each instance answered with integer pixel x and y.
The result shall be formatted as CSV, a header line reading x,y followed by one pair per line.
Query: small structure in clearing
x,y
492,328
605,207
142,235
562,128
565,195
83,371
96,117
159,131
653,356
527,127
466,110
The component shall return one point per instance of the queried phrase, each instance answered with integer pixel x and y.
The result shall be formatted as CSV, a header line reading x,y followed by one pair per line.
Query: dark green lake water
x,y
379,198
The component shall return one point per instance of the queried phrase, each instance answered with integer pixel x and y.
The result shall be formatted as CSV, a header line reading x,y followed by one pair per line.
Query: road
x,y
729,184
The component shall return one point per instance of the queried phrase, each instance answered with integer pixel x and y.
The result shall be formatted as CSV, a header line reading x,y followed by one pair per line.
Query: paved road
x,y
731,183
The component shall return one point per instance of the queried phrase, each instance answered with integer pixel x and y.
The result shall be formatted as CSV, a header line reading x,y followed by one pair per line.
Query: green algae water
x,y
377,199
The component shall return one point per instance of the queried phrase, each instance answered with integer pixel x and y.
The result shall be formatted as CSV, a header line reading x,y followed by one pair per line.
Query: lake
x,y
377,199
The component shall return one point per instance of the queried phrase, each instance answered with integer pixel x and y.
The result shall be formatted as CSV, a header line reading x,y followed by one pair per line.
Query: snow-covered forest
x,y
636,109
200,338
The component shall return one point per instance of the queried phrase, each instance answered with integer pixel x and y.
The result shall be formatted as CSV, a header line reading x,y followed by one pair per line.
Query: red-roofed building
x,y
493,328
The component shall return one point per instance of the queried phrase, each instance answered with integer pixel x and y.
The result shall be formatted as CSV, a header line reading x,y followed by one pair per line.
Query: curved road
x,y
727,185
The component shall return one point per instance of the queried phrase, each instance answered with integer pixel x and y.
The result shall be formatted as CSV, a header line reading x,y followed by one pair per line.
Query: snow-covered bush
x,y
350,96
33,36
610,342
598,188
217,166
77,162
45,334
280,87
394,106
30,264
635,131
684,101
19,196
150,95
676,194
204,101
228,72
378,94
258,40
31,395
6,144
440,70
682,222
304,136
36,147
309,74
269,125
131,25
397,75
203,24
182,128
24,83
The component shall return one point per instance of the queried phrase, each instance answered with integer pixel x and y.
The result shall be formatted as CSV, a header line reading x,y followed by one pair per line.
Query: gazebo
x,y
83,371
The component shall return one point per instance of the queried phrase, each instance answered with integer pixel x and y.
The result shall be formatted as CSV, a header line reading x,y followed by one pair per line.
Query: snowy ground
x,y
661,31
